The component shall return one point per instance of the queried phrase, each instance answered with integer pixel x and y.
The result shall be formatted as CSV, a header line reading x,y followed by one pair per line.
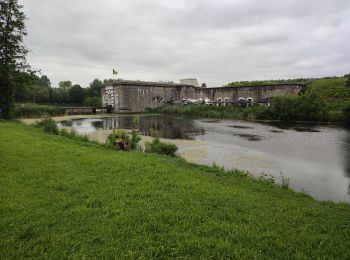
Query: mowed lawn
x,y
64,198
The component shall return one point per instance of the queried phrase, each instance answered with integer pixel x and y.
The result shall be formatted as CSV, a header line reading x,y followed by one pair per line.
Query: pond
x,y
314,158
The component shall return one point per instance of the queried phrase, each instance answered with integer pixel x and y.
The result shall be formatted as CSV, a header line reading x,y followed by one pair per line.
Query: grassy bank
x,y
333,90
66,198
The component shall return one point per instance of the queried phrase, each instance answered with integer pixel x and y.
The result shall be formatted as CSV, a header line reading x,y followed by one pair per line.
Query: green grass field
x,y
333,90
65,198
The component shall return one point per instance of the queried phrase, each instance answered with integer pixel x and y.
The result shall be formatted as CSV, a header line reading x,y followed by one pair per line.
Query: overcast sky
x,y
216,41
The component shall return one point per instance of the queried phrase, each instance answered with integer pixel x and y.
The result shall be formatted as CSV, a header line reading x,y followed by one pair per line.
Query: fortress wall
x,y
135,96
139,98
255,92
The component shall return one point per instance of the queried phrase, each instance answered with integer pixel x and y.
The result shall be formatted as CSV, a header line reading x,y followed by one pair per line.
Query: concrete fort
x,y
124,96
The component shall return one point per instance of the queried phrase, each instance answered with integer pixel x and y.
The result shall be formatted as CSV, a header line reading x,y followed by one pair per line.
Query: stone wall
x,y
255,92
139,96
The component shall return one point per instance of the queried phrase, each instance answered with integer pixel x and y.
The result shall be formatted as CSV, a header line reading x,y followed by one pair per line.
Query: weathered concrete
x,y
139,96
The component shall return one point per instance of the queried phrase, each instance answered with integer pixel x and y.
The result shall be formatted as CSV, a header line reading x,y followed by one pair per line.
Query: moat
x,y
314,158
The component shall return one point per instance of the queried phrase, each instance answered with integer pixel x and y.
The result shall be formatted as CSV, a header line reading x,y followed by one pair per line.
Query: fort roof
x,y
147,83
172,84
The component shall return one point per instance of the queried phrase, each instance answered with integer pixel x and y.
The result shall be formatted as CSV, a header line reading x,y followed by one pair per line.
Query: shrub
x,y
121,140
48,125
134,140
308,107
156,146
92,101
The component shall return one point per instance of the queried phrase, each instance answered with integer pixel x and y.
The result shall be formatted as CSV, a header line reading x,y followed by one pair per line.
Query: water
x,y
315,159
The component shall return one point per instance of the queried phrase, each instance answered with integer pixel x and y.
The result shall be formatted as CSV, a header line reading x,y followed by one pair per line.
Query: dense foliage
x,y
308,107
34,89
206,111
62,198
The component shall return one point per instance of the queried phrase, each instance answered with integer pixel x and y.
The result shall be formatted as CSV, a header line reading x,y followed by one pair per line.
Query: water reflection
x,y
174,128
346,153
306,127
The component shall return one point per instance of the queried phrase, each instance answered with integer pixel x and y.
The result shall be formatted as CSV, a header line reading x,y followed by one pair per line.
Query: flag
x,y
115,72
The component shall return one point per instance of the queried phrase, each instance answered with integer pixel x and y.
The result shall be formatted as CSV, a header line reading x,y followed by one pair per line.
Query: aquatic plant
x,y
48,125
156,146
121,140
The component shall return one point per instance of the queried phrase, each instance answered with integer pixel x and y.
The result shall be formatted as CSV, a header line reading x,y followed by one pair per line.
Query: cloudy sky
x,y
165,40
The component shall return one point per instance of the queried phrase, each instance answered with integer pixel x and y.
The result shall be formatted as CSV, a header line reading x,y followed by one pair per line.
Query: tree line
x,y
31,88
281,81
19,82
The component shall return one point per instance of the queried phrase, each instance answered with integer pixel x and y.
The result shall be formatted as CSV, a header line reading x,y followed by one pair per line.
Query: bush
x,y
48,125
34,110
121,140
307,107
156,146
92,101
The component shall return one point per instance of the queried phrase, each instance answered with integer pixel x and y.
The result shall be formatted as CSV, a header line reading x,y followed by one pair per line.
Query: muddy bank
x,y
62,118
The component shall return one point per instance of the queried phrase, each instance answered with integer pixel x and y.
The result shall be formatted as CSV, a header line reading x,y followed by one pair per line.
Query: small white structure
x,y
190,81
250,99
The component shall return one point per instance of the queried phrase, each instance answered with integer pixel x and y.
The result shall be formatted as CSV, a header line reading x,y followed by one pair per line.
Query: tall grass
x,y
205,111
35,110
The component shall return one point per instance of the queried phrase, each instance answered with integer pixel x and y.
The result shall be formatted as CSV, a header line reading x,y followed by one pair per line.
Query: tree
x,y
63,91
105,81
12,51
76,94
66,85
95,88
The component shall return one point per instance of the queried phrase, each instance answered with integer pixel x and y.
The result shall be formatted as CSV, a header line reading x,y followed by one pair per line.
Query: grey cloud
x,y
215,41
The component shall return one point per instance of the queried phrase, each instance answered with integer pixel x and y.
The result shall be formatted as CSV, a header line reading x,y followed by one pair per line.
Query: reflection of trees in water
x,y
346,153
97,124
66,123
172,128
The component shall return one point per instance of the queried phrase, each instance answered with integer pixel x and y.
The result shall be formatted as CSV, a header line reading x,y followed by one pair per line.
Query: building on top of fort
x,y
190,81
